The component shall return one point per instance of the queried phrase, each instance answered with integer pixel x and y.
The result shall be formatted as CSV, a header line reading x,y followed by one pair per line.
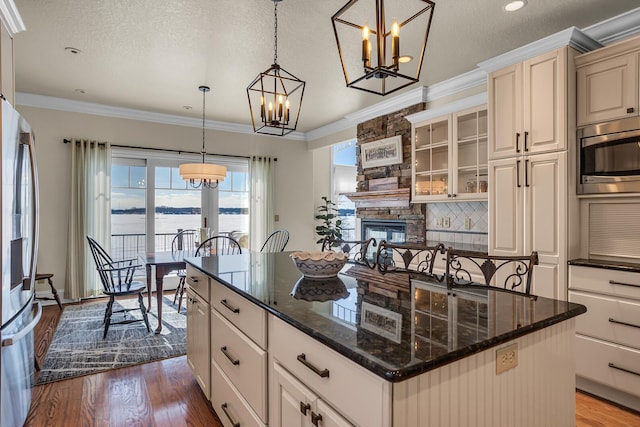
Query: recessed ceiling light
x,y
405,59
80,90
514,5
73,50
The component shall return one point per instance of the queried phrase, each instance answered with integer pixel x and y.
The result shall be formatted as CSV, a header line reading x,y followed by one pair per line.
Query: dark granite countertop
x,y
408,332
611,265
469,247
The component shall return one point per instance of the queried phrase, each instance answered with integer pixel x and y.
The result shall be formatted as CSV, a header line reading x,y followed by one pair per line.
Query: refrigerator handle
x,y
13,338
27,138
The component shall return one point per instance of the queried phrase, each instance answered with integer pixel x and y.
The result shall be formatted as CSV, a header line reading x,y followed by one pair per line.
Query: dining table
x,y
165,262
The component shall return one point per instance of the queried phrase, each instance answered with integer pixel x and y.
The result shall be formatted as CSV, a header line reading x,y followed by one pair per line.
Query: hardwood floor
x,y
165,393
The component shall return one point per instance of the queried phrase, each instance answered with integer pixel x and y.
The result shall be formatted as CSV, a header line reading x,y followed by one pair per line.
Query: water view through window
x,y
177,206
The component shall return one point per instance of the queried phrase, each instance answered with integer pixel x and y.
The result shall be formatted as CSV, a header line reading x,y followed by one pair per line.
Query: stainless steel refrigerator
x,y
19,250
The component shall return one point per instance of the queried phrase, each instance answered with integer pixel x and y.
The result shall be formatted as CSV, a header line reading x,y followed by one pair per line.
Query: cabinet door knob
x,y
630,110
315,418
304,407
453,195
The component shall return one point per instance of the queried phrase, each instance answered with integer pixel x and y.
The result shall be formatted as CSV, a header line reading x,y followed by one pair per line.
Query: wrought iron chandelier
x,y
374,53
203,174
277,94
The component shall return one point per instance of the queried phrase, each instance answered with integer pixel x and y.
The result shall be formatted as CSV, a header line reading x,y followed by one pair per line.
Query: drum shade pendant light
x,y
203,174
275,95
368,34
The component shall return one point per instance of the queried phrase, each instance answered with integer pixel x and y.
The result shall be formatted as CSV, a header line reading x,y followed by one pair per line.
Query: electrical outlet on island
x,y
506,358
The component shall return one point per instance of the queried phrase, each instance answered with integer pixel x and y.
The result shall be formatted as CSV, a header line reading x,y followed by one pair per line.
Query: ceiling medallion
x,y
203,174
374,53
277,94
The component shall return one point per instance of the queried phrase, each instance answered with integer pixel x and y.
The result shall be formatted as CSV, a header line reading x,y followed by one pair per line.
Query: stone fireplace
x,y
389,206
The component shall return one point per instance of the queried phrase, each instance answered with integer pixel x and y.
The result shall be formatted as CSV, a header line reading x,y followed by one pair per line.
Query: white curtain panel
x,y
261,197
90,215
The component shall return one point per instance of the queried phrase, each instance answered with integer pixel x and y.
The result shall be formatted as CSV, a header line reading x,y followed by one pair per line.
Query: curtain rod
x,y
67,141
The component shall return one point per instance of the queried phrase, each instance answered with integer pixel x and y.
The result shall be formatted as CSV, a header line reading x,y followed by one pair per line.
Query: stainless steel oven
x,y
609,157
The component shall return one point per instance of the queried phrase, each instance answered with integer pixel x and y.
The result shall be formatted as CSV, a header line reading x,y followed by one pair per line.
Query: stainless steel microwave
x,y
609,157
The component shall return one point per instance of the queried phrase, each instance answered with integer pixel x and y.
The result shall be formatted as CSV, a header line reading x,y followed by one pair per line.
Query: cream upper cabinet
x,y
450,157
528,106
607,83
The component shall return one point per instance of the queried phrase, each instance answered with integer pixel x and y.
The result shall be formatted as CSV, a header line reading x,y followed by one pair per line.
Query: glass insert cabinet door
x,y
431,157
470,154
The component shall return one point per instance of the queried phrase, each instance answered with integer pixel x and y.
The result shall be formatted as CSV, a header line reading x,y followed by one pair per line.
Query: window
x,y
344,172
145,181
128,207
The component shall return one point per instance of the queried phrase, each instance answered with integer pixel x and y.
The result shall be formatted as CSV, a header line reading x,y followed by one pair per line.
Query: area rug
x,y
77,347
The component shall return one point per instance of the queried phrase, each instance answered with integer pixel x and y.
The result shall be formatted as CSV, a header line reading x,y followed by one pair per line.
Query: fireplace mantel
x,y
397,198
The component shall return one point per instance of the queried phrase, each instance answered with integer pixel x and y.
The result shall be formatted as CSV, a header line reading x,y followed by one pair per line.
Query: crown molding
x,y
68,105
431,93
448,108
572,36
617,28
11,18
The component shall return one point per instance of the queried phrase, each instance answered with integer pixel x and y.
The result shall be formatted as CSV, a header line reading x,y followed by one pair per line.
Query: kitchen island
x,y
270,347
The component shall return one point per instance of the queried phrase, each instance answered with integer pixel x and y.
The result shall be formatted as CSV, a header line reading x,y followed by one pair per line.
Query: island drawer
x,y
230,407
356,393
608,318
613,365
243,362
606,281
198,282
242,313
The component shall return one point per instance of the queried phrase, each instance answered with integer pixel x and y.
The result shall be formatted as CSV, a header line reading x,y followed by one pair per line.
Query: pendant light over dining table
x,y
275,95
203,174
369,42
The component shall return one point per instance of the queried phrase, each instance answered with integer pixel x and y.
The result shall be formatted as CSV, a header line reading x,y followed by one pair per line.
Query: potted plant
x,y
331,227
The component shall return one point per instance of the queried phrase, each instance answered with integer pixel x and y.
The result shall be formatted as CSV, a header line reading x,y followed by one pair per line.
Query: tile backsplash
x,y
459,222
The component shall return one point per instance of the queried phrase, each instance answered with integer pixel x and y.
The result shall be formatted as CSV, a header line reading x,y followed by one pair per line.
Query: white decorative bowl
x,y
319,265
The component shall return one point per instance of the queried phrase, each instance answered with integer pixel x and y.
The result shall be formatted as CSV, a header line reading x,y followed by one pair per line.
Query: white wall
x,y
295,171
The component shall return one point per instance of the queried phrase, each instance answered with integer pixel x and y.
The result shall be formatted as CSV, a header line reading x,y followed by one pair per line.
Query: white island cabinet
x,y
280,361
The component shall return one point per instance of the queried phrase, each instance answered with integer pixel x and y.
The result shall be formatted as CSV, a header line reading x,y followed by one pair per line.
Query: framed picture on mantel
x,y
383,152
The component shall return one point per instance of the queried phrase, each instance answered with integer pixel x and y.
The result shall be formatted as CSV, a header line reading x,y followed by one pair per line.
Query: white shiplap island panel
x,y
540,391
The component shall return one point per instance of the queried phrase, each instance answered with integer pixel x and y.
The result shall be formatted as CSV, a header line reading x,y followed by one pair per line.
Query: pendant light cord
x,y
204,92
275,31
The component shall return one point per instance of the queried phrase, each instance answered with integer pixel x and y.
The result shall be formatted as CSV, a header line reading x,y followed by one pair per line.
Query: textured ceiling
x,y
152,55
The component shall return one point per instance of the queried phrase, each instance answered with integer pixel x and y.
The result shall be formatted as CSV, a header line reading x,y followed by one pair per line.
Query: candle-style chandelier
x,y
203,174
374,52
277,94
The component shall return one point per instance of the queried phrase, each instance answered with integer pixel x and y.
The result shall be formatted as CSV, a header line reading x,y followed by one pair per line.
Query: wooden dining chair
x,y
356,249
219,245
276,242
184,241
469,269
407,257
117,280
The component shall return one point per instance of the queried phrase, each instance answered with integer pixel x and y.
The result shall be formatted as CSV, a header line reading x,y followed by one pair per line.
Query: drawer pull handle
x,y
304,407
315,418
614,282
324,373
232,309
231,359
194,279
612,320
233,423
611,365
